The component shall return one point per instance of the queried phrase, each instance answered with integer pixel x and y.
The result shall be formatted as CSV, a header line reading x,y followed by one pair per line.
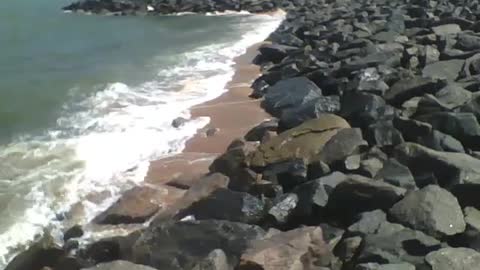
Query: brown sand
x,y
232,115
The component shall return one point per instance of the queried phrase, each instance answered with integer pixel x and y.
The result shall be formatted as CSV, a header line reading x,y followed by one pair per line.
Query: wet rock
x,y
136,205
119,265
275,52
405,89
258,133
453,259
369,222
448,168
359,194
290,93
73,232
178,122
305,141
393,244
395,173
288,173
448,70
216,260
181,245
302,248
228,205
432,210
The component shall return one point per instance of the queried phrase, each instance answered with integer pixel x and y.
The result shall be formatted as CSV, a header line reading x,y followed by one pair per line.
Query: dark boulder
x,y
288,174
178,122
389,266
397,174
405,89
73,232
468,42
362,109
259,132
295,116
224,204
383,133
275,52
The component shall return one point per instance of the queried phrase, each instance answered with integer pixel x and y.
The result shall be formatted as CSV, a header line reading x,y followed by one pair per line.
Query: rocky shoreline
x,y
371,163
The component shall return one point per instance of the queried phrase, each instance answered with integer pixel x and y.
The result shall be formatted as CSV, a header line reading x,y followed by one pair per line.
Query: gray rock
x,y
397,174
472,217
449,168
440,141
369,222
283,208
405,89
376,266
178,122
296,115
432,210
119,265
383,133
454,259
453,96
348,247
449,69
446,29
468,42
346,142
216,260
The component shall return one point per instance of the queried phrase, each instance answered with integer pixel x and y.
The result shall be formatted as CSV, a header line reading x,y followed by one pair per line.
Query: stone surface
x,y
448,70
432,210
454,259
119,265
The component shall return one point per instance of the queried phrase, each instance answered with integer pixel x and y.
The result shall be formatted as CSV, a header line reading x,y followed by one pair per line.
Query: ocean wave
x,y
105,146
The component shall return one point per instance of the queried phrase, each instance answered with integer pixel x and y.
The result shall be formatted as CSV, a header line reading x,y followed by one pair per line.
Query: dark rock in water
x,y
395,173
119,265
275,52
135,206
449,168
283,208
468,42
295,116
216,260
462,126
232,164
315,194
454,259
359,194
369,222
211,131
44,253
258,133
228,205
305,141
74,232
393,244
302,248
390,266
448,70
290,93
384,134
403,90
432,210
288,173
178,122
110,249
343,144
181,245
362,109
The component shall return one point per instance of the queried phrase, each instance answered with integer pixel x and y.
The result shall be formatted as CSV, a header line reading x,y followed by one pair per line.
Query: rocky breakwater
x,y
373,162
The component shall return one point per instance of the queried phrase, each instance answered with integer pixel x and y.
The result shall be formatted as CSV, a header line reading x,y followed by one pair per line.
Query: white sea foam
x,y
107,145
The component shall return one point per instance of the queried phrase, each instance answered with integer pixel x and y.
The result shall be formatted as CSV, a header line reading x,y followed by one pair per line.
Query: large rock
x,y
136,205
216,260
449,169
390,266
290,93
454,259
225,204
275,52
359,194
295,116
305,141
346,142
395,173
405,89
446,29
432,210
119,265
362,109
393,244
369,222
302,248
181,245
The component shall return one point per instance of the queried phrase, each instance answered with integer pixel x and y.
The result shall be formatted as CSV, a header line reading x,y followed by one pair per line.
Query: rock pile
x,y
375,164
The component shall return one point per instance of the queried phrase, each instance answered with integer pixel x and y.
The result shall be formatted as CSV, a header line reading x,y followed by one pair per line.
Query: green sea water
x,y
86,101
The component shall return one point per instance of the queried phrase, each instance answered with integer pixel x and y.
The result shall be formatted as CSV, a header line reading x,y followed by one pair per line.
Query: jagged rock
x,y
302,248
446,29
228,205
266,189
439,141
295,116
432,210
284,208
376,266
110,249
369,222
178,122
305,141
393,244
181,245
383,133
449,69
359,194
343,144
275,52
448,168
362,109
453,96
136,205
258,133
216,260
395,173
405,89
288,174
119,265
73,232
290,93
453,259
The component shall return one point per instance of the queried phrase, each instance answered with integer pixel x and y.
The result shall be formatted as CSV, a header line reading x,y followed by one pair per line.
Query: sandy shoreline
x,y
231,115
